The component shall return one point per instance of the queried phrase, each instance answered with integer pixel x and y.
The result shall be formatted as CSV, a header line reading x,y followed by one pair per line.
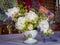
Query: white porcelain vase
x,y
30,35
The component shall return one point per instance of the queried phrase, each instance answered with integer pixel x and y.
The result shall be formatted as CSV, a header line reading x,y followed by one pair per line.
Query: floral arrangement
x,y
29,20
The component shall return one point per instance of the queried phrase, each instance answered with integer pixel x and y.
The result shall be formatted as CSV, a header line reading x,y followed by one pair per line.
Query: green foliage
x,y
39,13
1,17
5,4
22,9
48,33
34,26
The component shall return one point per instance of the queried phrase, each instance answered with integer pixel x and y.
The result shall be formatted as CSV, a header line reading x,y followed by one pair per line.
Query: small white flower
x,y
31,16
30,27
20,24
12,11
50,31
44,25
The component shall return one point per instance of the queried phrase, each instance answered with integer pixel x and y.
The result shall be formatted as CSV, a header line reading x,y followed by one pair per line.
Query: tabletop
x,y
17,39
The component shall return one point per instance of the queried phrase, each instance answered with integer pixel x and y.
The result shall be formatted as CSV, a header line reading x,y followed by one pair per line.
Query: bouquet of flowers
x,y
29,20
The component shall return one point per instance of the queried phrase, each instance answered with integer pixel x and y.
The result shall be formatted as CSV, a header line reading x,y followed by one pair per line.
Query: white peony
x,y
20,24
31,16
44,25
12,11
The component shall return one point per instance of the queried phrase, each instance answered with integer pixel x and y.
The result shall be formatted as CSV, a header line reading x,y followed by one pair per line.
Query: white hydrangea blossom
x,y
44,26
12,11
20,24
31,16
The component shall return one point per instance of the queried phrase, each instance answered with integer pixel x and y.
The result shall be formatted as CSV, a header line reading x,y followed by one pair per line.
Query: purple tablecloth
x,y
17,39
